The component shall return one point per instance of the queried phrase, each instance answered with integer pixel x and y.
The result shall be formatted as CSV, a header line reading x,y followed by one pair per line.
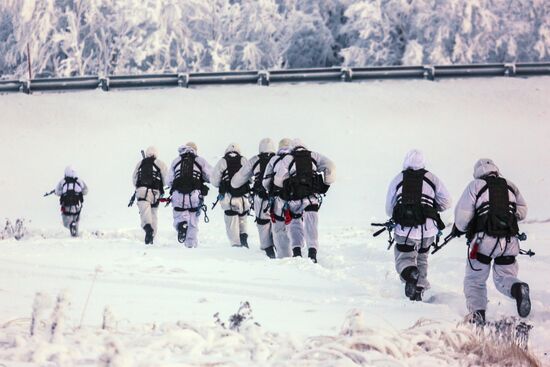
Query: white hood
x,y
267,145
297,142
414,160
187,148
233,147
285,143
151,152
485,166
70,172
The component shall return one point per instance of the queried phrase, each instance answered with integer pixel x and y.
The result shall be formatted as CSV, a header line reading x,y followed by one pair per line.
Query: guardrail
x,y
267,77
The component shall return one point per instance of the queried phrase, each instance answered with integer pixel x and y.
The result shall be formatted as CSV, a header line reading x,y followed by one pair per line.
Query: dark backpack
x,y
413,207
304,181
149,175
496,217
263,160
233,160
71,197
186,178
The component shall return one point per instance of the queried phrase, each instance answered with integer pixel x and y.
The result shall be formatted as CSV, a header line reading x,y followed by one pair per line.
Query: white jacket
x,y
415,160
466,206
157,162
204,166
246,172
221,166
324,165
273,167
81,186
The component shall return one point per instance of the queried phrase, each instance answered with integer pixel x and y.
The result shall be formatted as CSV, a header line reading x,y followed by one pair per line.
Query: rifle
x,y
388,226
132,199
523,237
49,193
167,200
446,240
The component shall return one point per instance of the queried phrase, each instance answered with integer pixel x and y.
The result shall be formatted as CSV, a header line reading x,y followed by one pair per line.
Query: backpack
x,y
186,178
304,181
413,207
233,160
496,217
70,197
149,175
263,160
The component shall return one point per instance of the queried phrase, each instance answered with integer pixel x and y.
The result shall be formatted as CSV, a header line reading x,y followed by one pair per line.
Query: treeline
x,y
85,37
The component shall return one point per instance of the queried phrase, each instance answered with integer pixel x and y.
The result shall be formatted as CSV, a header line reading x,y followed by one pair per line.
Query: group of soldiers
x,y
487,213
284,188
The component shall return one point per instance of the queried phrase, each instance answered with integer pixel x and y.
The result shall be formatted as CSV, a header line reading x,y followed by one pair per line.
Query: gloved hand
x,y
455,232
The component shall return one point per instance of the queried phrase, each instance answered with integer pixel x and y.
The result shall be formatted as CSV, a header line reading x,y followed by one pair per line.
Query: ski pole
x,y
49,193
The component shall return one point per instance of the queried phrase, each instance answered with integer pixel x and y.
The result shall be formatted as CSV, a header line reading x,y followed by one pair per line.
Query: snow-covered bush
x,y
83,37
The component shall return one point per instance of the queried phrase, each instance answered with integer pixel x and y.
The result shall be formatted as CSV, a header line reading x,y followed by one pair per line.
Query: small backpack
x,y
233,160
149,175
413,207
70,197
496,217
263,160
304,181
187,179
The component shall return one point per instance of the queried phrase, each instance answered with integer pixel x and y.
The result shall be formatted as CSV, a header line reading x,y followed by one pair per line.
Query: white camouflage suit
x,y
235,208
415,241
261,206
71,213
188,204
504,276
304,212
148,199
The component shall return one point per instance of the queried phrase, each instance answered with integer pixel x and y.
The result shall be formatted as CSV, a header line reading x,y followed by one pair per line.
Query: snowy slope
x,y
366,128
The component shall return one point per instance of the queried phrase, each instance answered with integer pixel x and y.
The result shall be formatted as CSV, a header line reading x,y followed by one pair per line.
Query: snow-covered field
x,y
157,303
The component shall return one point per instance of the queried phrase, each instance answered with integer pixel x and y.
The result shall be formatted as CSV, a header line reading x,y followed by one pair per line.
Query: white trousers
x,y
186,208
303,226
235,213
263,222
70,214
148,206
504,276
415,254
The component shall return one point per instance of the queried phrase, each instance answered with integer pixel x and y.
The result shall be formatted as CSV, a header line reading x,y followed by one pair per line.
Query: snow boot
x,y
182,232
520,291
270,252
312,254
296,252
419,292
410,275
478,318
73,228
244,240
148,234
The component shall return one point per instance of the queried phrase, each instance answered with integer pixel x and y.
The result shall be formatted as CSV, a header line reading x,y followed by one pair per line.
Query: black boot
x,y
182,232
244,240
312,254
410,275
418,294
296,252
478,318
520,291
270,252
74,229
148,234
